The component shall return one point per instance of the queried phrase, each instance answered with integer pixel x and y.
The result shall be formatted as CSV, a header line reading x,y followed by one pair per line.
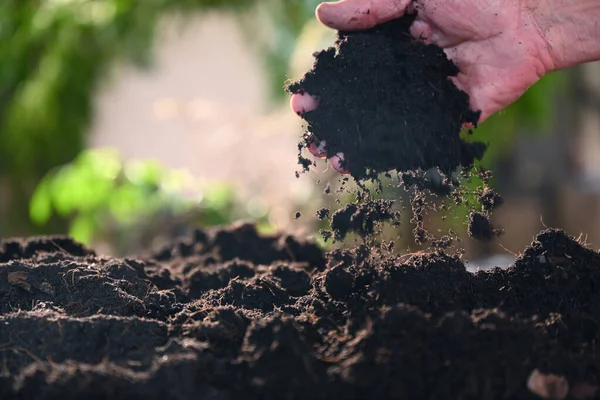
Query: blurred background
x,y
123,122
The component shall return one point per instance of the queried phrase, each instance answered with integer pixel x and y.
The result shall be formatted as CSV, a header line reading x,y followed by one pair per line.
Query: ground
x,y
229,314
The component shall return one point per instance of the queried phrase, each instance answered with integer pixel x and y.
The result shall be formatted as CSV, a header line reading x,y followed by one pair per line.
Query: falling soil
x,y
386,102
490,200
230,314
323,213
361,217
480,227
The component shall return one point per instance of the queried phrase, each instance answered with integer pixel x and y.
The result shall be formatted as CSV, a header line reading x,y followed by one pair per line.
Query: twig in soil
x,y
583,241
515,255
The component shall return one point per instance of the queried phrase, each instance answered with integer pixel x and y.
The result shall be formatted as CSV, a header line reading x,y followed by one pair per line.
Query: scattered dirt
x,y
323,213
378,90
480,227
230,314
490,200
361,217
386,102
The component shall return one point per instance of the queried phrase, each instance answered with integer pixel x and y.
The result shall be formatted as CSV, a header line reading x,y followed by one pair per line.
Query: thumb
x,y
349,15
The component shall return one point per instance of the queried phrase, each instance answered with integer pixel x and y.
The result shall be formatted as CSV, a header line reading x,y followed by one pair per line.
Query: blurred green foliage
x,y
288,19
53,56
113,202
531,115
55,53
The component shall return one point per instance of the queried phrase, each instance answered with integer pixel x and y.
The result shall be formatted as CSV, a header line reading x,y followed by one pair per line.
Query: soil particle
x,y
323,213
362,217
378,90
490,200
353,323
421,181
480,227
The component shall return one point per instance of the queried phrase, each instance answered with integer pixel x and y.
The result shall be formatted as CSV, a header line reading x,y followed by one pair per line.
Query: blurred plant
x,y
125,205
284,23
54,55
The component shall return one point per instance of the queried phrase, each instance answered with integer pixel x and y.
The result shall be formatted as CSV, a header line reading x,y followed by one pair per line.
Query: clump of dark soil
x,y
480,227
323,213
230,314
386,102
490,200
361,217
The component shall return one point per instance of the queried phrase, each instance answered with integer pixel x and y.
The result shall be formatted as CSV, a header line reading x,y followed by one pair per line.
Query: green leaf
x,y
82,229
128,202
40,206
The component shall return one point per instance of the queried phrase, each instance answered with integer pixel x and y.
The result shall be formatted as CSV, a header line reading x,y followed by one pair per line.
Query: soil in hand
x,y
386,102
230,314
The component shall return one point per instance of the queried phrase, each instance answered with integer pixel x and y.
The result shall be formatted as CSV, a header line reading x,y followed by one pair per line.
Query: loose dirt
x,y
230,314
387,103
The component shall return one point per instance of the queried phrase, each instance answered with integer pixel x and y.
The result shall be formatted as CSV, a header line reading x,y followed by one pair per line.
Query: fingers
x,y
349,15
302,103
421,30
316,149
336,162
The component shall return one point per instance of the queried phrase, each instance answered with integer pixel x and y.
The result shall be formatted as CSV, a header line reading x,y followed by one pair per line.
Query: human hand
x,y
497,45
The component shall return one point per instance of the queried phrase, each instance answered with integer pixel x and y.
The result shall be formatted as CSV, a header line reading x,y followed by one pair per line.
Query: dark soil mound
x,y
386,102
230,314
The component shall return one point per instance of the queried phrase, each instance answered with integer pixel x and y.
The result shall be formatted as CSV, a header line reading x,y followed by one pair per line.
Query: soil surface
x,y
387,103
230,314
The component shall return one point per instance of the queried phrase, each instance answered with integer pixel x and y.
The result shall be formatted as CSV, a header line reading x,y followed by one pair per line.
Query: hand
x,y
497,45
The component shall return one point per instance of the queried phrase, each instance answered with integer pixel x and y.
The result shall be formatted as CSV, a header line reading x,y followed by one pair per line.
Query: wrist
x,y
570,30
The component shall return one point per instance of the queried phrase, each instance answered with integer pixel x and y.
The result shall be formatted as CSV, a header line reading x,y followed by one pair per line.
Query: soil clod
x,y
480,227
361,217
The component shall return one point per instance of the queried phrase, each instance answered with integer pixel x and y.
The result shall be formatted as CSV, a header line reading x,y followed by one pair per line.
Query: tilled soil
x,y
230,314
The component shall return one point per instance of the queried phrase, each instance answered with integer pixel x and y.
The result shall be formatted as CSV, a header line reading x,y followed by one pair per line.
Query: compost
x,y
227,313
386,102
